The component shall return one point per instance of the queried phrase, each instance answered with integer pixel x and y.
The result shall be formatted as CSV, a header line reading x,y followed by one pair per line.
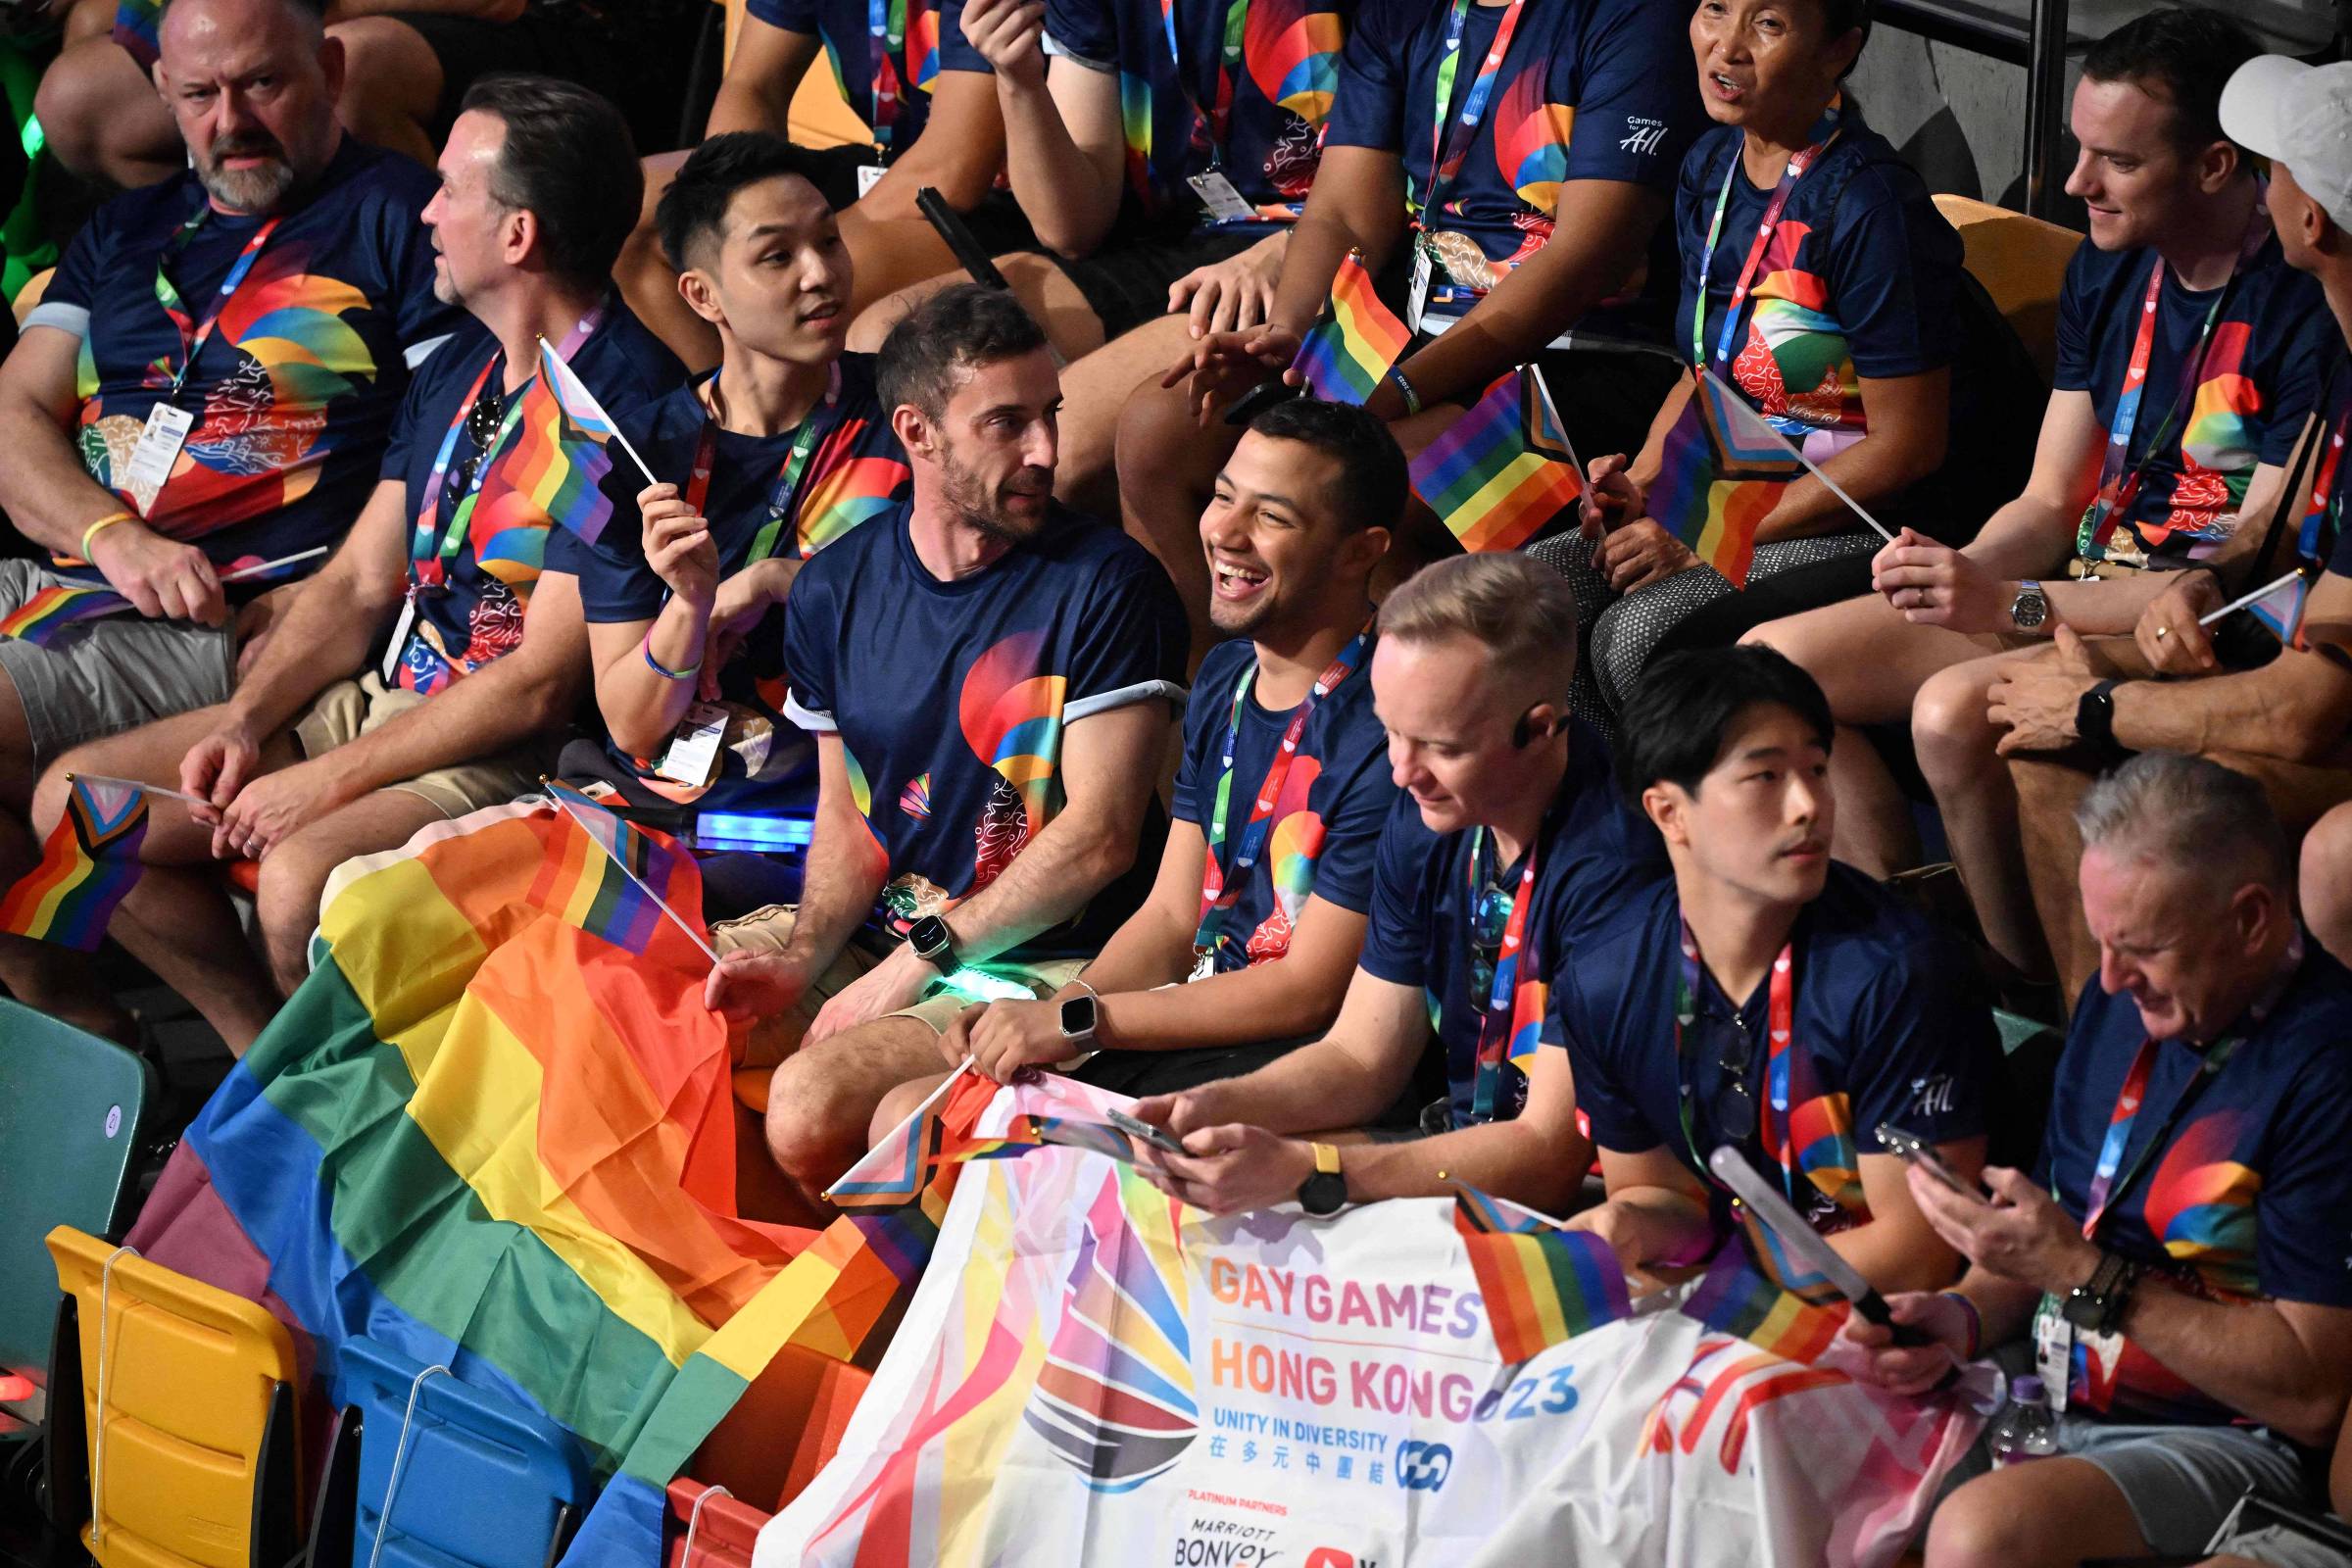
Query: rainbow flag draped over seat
x,y
558,462
89,863
57,606
1347,353
1722,473
1738,1297
1503,469
1542,1284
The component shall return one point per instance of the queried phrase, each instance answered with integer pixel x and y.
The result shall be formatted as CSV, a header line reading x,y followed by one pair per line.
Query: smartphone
x,y
1259,399
1143,1132
1913,1149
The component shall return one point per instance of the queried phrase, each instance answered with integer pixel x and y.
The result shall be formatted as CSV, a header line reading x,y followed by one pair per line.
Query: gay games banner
x,y
1090,1372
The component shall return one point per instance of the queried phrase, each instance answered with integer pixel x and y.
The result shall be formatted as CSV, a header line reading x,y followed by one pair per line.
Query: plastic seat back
x,y
726,1531
191,1457
2021,263
70,1111
484,1483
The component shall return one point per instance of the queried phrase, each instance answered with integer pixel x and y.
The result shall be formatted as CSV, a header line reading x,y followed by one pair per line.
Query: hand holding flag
x,y
1347,353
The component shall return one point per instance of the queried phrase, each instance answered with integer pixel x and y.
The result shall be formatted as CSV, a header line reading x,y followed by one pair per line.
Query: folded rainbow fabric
x,y
1503,469
88,866
55,608
1347,353
1542,1284
1722,473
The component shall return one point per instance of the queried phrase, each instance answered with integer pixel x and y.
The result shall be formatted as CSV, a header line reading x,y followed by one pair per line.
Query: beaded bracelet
x,y
663,670
1412,399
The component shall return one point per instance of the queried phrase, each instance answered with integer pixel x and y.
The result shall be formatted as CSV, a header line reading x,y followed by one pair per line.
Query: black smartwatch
x,y
934,944
2094,717
2097,1305
1325,1193
1079,1017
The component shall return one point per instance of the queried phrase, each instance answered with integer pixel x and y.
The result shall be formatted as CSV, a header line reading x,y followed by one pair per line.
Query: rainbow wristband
x,y
661,670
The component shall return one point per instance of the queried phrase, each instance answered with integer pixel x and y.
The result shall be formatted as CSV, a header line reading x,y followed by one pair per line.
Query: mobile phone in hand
x,y
1913,1149
1143,1132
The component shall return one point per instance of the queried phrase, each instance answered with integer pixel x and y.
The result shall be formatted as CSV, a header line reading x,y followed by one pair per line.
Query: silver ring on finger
x,y
2161,632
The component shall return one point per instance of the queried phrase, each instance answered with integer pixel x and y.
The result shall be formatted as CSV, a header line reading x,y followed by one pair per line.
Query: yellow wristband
x,y
100,526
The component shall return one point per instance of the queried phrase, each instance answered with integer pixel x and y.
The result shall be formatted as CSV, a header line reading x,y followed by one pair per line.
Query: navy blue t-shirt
x,y
1278,95
295,392
1861,278
920,38
505,540
856,473
1592,89
2252,1194
1889,1021
1428,922
1328,819
2261,376
951,698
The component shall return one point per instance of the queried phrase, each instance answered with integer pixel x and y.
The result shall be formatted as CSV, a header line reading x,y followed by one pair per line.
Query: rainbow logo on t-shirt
x,y
2200,1203
1531,141
844,495
1294,57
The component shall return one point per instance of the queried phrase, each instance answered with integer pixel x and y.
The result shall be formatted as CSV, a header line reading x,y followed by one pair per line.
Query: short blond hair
x,y
1519,610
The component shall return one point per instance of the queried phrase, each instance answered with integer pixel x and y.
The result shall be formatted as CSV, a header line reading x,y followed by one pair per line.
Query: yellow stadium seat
x,y
192,1455
819,116
2021,263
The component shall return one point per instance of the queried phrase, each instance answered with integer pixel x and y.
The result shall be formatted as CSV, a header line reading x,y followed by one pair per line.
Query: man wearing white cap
x,y
2286,721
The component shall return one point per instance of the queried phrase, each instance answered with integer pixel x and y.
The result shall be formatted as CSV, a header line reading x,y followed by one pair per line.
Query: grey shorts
x,y
2281,1547
2181,1482
103,676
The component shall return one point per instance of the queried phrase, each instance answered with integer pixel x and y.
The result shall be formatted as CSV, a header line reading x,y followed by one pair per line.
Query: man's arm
x,y
1600,237
2297,707
333,621
958,155
1237,1157
1065,145
1153,946
1898,1250
755,94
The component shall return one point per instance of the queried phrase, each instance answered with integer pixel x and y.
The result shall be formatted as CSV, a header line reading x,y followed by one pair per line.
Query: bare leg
x,y
892,254
1167,469
2051,1514
1094,389
898,1105
1047,294
391,86
2047,792
1873,831
2327,881
651,286
103,118
1956,741
294,873
825,1096
54,980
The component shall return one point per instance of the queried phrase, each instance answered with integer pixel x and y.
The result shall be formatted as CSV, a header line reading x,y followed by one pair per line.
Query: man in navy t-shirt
x,y
1508,838
1761,994
781,452
989,678
1253,928
339,741
2181,1254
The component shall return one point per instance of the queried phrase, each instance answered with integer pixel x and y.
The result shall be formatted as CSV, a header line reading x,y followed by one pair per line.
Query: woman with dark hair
x,y
1819,281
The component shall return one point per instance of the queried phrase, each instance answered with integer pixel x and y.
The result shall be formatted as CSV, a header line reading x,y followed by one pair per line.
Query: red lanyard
x,y
1220,889
2105,1189
1823,132
2317,532
166,293
1219,114
1446,153
1511,1010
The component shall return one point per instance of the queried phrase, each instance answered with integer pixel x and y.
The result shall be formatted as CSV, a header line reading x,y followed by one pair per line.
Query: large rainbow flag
x,y
1348,352
1723,472
490,1139
89,863
1503,469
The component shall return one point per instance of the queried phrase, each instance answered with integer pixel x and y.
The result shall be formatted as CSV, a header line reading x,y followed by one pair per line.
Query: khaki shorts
x,y
765,931
351,708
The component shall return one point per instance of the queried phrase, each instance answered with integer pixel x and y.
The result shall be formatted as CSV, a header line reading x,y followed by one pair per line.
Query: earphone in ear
x,y
1524,733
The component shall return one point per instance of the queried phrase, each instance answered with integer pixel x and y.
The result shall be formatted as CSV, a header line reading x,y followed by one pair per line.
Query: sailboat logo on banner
x,y
1115,1397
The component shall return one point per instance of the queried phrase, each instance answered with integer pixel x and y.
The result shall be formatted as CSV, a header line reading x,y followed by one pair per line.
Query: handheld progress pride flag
x,y
89,863
1503,469
2277,606
618,893
1348,352
940,1132
1723,473
1542,1284
1737,1297
564,439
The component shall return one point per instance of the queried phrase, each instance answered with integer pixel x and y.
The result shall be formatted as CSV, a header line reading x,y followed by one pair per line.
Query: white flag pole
x,y
1796,452
142,788
2240,604
610,424
261,567
692,935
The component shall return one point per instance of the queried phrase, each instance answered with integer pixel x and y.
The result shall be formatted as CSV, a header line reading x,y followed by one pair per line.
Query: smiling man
x,y
1254,926
989,678
780,452
1764,996
322,754
1509,837
2179,1251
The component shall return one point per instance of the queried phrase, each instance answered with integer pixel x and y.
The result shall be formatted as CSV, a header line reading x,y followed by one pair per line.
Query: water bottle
x,y
2027,1430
